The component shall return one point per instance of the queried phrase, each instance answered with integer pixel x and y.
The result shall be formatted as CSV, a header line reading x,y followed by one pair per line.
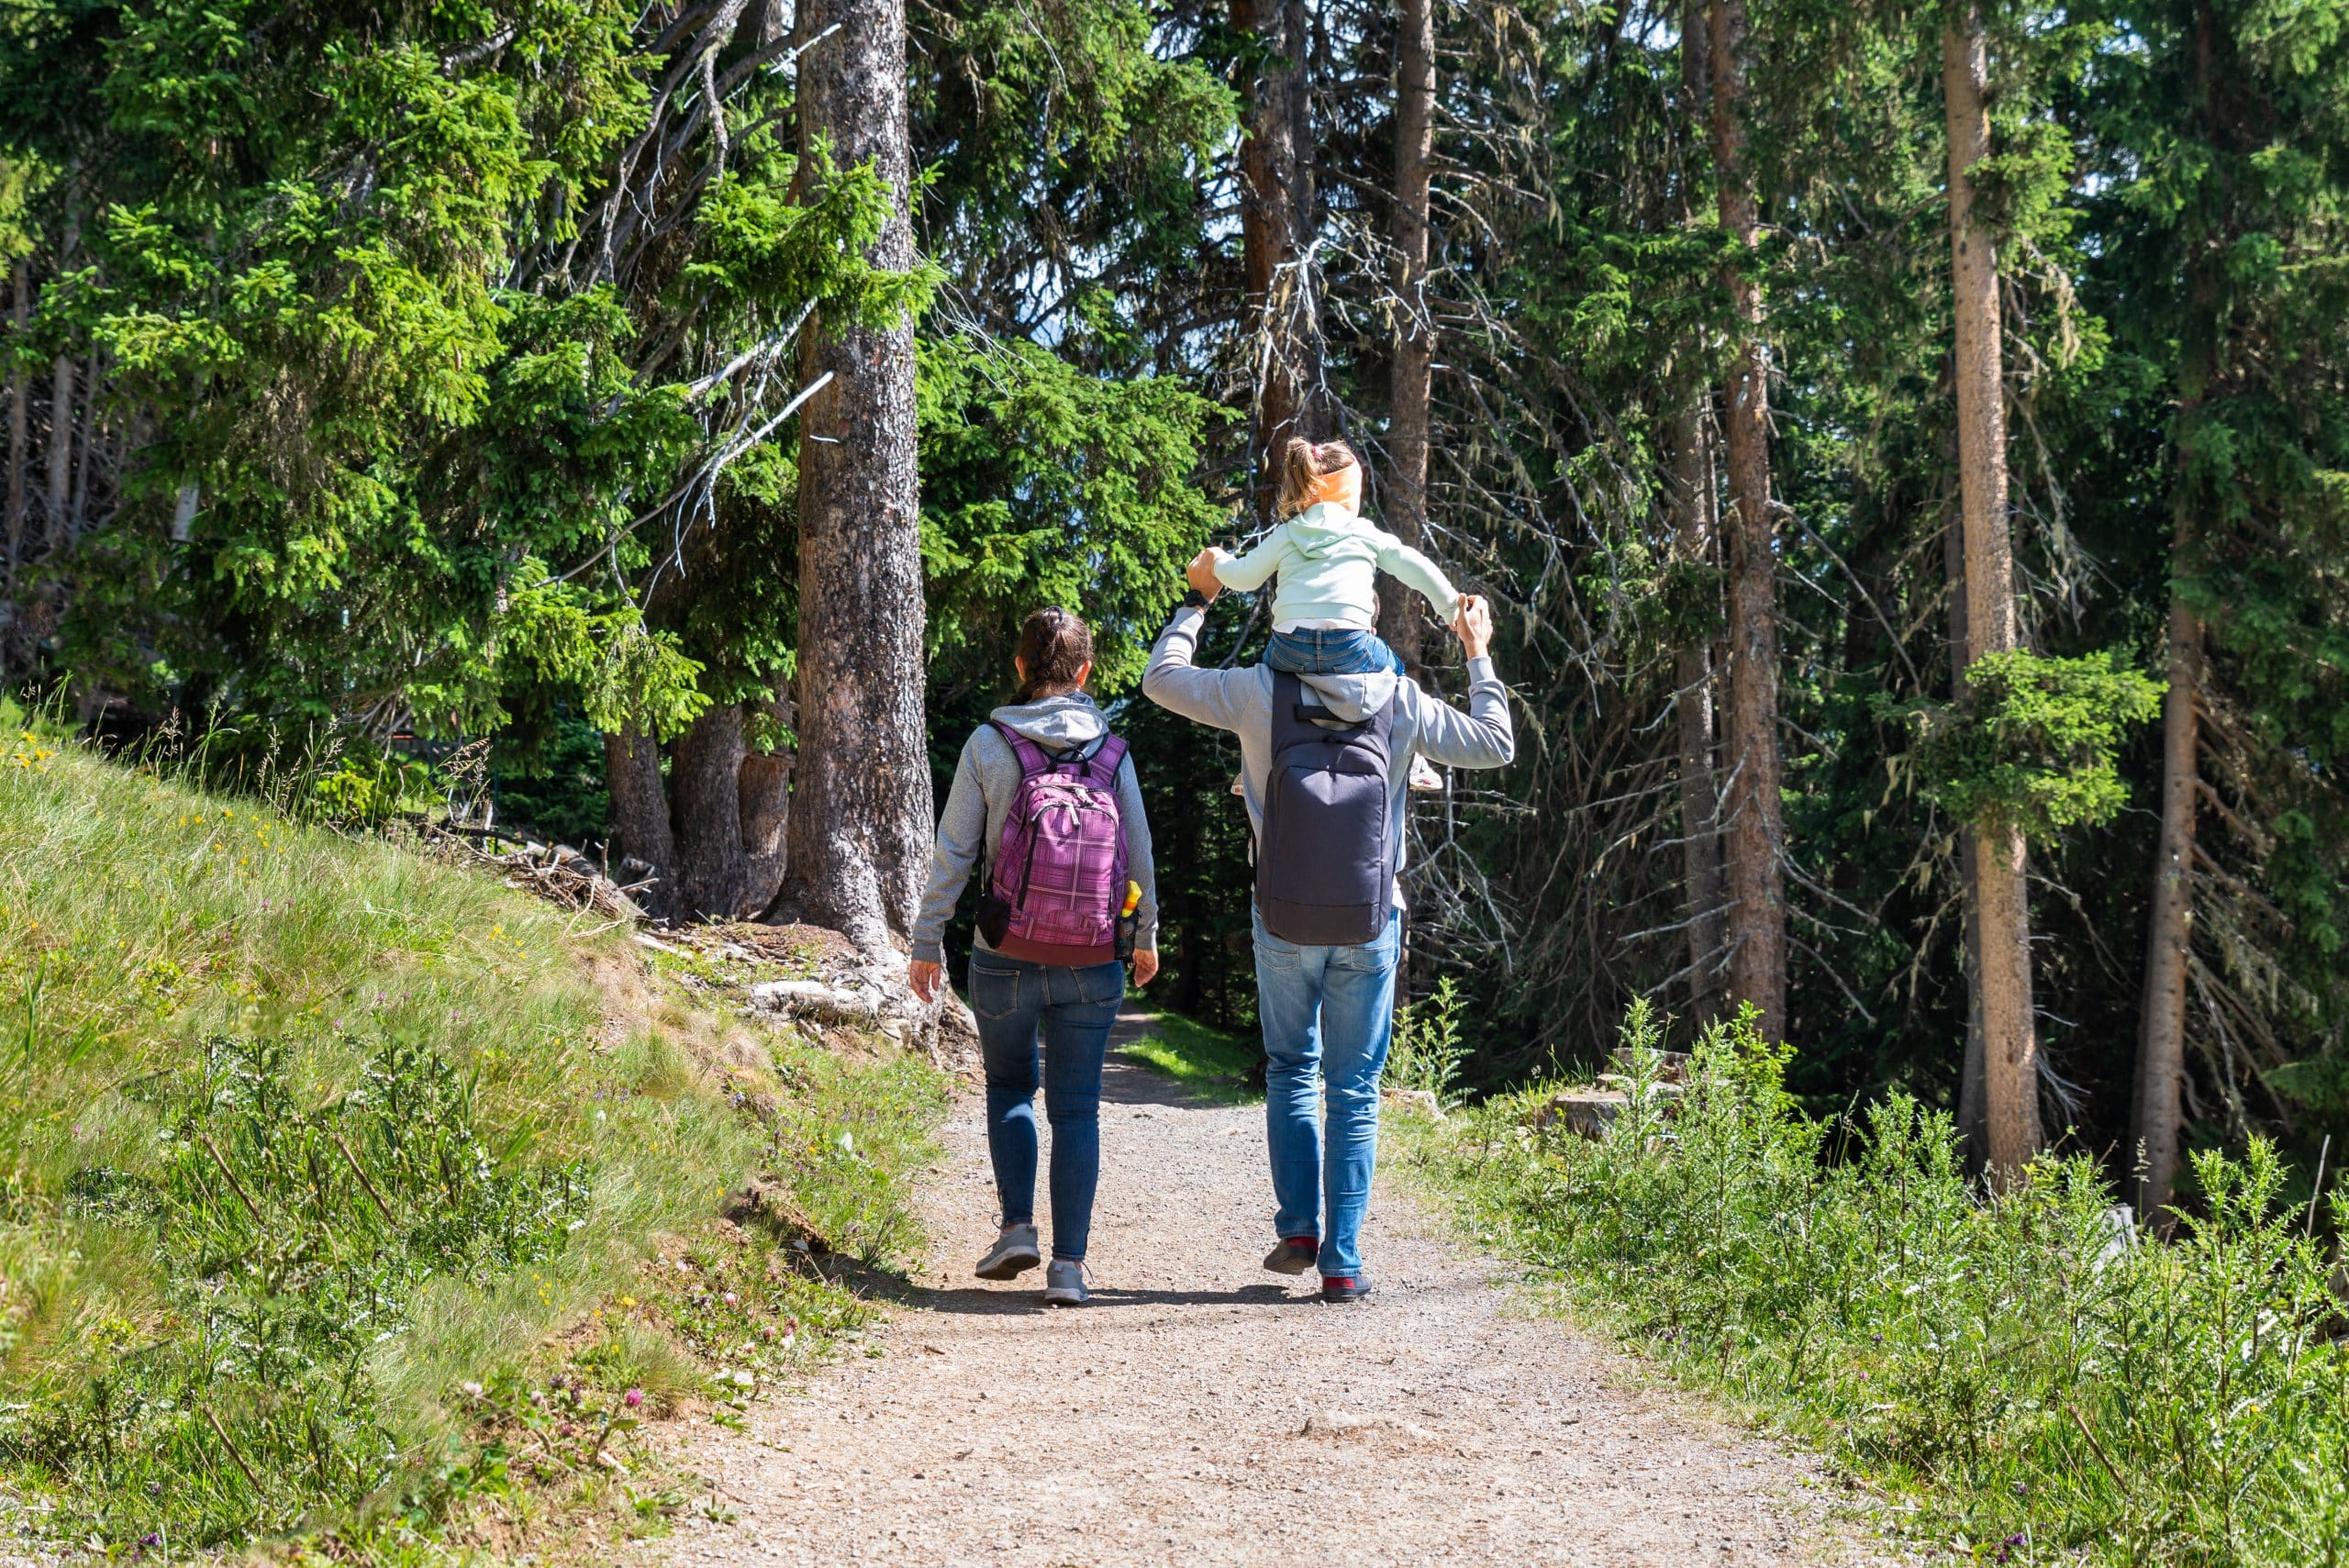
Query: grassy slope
x,y
138,921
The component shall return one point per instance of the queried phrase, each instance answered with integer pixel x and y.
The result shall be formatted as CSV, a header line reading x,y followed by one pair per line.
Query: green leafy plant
x,y
2031,1378
2033,741
1426,1053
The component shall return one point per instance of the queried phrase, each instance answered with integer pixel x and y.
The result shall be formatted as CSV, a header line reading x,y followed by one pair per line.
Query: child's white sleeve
x,y
1245,572
1417,573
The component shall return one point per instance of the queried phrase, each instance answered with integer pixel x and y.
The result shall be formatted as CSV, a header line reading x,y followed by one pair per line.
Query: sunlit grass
x,y
141,920
1200,1057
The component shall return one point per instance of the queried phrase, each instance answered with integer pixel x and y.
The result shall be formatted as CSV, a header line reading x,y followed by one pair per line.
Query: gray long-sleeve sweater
x,y
1241,701
987,778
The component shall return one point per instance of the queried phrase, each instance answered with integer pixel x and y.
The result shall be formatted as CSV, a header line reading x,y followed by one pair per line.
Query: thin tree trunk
x,y
20,310
2157,1116
636,821
860,804
2010,1028
1401,618
1755,839
87,453
61,452
1275,224
706,774
1973,1125
1695,518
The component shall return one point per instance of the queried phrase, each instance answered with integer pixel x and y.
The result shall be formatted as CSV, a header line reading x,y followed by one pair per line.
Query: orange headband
x,y
1343,488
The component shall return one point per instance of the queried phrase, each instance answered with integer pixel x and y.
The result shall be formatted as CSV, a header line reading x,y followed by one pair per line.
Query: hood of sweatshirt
x,y
1054,723
1324,531
1351,698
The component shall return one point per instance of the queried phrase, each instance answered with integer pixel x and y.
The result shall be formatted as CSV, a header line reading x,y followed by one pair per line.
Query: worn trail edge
x,y
1203,1411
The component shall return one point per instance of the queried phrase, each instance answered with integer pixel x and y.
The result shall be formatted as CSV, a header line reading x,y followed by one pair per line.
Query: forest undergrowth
x,y
352,1197
2023,1378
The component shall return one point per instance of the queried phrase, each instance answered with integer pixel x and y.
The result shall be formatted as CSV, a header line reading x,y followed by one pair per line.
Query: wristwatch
x,y
1193,600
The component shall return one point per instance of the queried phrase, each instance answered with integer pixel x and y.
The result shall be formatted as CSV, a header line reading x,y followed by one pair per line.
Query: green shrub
x,y
2041,1382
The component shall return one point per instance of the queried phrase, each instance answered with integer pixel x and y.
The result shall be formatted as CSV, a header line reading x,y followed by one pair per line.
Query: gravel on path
x,y
1203,1411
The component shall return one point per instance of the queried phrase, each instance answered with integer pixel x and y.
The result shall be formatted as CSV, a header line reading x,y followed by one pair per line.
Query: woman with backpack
x,y
1050,797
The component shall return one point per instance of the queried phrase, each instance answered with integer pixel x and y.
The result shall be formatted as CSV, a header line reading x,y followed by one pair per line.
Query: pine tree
x,y
2001,905
861,802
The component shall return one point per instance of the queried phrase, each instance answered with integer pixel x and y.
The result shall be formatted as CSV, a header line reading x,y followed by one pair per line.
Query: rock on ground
x,y
1203,1411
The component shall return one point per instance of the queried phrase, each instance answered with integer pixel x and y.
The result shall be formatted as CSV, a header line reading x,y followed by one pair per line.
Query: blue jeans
x,y
1326,1011
1330,651
1014,1000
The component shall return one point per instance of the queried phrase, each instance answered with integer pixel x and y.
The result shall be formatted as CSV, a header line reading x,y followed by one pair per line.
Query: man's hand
x,y
1200,574
1145,966
922,975
1474,626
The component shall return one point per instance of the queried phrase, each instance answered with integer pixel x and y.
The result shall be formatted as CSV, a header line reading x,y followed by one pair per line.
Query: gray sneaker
x,y
1013,1253
1064,1283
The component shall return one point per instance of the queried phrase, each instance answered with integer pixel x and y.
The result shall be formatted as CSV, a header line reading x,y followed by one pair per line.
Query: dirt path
x,y
1203,1411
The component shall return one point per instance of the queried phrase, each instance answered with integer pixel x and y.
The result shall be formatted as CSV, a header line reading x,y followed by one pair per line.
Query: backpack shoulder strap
x,y
1103,765
1033,759
1288,695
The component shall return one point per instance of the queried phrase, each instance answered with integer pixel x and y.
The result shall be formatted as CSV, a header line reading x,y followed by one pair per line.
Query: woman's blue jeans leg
x,y
1328,1016
1020,1005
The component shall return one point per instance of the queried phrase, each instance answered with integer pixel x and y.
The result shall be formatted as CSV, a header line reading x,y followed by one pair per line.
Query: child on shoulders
x,y
1327,558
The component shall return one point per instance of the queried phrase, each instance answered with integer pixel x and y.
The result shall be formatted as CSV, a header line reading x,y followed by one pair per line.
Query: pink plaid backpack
x,y
1060,864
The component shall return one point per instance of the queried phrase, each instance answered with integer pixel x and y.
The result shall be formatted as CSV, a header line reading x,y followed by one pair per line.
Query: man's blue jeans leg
x,y
1328,1015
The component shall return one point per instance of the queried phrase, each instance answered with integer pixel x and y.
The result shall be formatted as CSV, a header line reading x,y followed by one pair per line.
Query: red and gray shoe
x,y
1344,1287
1294,1255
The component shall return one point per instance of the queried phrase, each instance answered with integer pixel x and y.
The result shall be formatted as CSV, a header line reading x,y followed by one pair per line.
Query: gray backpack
x,y
1325,867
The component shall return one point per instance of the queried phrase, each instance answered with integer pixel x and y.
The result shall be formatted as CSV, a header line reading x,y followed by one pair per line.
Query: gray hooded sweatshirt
x,y
1241,701
986,780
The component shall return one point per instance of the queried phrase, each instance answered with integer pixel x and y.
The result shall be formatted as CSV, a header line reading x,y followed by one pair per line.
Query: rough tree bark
x,y
2157,1114
705,770
1275,225
861,805
1972,1124
1401,618
2010,1028
636,820
763,802
1756,825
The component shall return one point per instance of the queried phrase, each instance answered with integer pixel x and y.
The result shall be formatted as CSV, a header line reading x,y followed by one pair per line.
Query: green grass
x,y
2018,1380
309,1146
1205,1059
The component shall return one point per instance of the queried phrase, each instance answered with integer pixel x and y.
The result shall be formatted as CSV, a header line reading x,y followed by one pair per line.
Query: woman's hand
x,y
1145,966
922,975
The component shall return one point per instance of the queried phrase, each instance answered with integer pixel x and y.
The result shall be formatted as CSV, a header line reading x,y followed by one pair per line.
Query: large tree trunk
x,y
704,773
2010,1028
1756,838
1400,617
636,820
1973,1123
2157,1116
861,805
1275,225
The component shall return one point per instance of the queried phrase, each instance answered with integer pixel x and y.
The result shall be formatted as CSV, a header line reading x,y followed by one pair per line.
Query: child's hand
x,y
1200,574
